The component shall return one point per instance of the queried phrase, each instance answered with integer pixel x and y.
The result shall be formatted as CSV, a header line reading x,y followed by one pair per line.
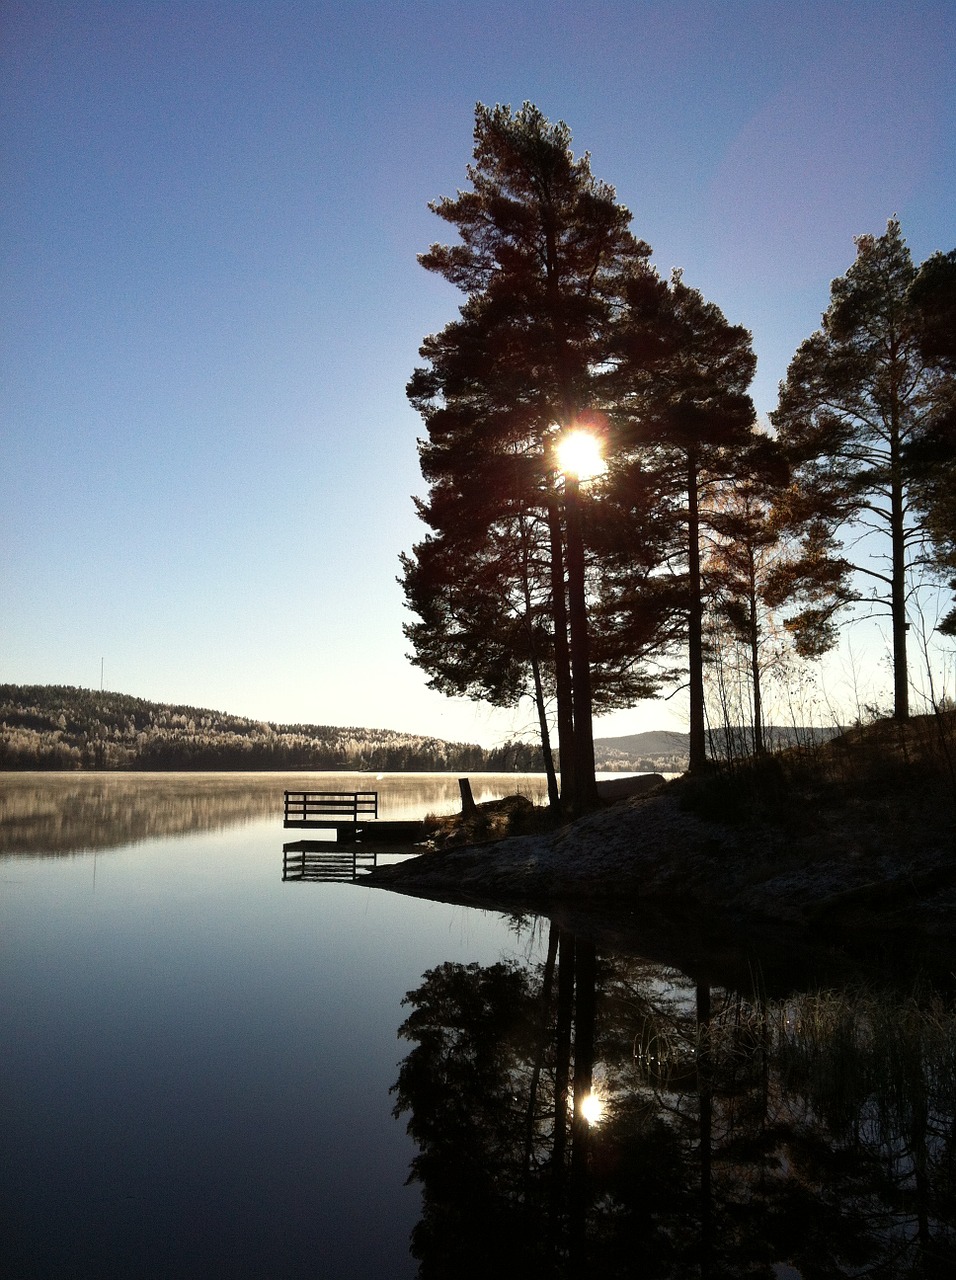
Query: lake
x,y
210,1072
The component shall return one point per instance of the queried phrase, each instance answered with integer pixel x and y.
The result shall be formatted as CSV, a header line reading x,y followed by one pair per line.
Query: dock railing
x,y
316,808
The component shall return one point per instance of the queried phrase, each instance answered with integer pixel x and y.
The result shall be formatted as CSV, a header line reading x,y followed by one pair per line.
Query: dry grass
x,y
493,820
894,774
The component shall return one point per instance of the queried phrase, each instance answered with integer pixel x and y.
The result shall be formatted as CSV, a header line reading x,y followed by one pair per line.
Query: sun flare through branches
x,y
579,455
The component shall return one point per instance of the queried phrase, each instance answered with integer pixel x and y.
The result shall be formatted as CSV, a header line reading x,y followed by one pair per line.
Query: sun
x,y
592,1108
579,454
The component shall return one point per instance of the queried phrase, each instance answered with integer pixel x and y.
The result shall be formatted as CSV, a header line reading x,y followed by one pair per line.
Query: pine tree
x,y
933,457
856,403
544,257
743,546
681,374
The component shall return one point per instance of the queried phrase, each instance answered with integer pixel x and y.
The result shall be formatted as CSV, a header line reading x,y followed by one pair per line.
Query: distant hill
x,y
655,752
62,727
661,751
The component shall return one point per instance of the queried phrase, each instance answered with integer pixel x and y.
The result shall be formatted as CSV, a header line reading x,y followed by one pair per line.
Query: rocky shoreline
x,y
814,859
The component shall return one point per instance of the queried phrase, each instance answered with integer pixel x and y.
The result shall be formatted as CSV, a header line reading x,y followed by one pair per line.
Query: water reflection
x,y
326,862
70,813
740,1135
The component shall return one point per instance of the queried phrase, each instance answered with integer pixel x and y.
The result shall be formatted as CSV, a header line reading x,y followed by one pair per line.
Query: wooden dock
x,y
351,817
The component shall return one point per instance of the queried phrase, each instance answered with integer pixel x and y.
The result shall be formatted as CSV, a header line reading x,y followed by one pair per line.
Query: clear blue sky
x,y
211,301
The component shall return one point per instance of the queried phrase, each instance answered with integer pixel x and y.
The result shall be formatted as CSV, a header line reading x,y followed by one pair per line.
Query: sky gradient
x,y
211,302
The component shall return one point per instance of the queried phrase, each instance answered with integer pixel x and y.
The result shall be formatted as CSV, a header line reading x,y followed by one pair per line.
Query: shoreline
x,y
836,871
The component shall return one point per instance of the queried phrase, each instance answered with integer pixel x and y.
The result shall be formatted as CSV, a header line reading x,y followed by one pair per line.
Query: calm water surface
x,y
202,1062
198,1056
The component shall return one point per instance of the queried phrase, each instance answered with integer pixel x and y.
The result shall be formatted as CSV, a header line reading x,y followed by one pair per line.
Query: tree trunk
x,y
562,656
901,698
758,697
585,786
554,796
697,751
758,741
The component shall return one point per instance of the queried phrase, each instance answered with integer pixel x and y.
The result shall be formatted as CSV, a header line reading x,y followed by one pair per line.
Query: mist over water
x,y
74,812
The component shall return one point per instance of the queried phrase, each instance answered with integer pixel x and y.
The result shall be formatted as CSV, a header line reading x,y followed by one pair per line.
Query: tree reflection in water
x,y
738,1133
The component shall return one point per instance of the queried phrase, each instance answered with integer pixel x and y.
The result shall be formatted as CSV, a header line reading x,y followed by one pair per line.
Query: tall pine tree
x,y
681,373
933,456
544,260
857,402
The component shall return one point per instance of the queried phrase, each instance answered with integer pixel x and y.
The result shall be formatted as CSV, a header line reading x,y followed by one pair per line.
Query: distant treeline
x,y
667,752
61,727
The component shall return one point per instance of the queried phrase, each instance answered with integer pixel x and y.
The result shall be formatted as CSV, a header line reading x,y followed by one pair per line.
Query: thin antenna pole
x,y
102,660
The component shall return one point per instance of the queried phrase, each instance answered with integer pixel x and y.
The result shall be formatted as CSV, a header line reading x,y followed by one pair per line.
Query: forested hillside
x,y
61,727
662,751
658,751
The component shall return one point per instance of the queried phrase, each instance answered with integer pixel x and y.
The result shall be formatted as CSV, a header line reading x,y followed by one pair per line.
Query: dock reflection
x,y
335,860
326,861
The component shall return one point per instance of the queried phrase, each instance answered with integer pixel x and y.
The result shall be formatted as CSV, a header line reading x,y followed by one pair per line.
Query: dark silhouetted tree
x,y
743,547
681,373
933,457
544,257
859,398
